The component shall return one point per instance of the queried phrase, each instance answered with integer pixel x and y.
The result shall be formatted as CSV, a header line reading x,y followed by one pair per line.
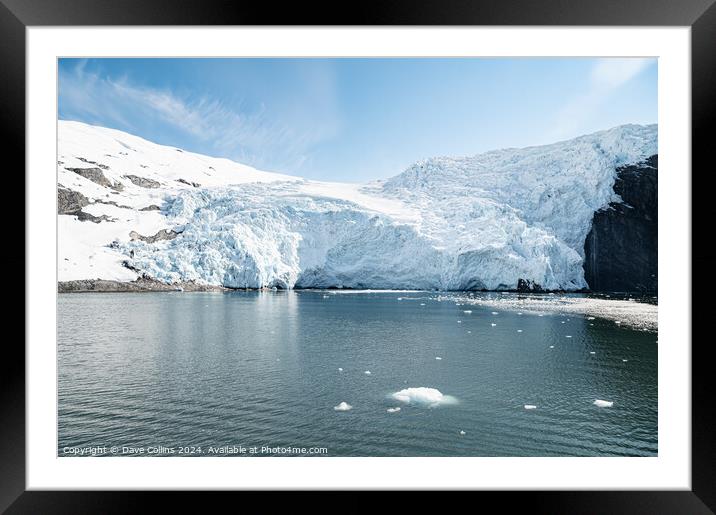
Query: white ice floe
x,y
551,346
519,330
590,318
603,404
530,406
423,396
467,311
493,324
340,369
462,433
495,313
393,410
367,372
438,358
592,352
568,336
624,360
343,406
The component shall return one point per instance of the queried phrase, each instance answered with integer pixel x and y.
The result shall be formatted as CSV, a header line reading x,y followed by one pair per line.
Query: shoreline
x,y
153,285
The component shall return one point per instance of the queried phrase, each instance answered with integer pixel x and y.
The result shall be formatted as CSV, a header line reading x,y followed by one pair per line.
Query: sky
x,y
356,120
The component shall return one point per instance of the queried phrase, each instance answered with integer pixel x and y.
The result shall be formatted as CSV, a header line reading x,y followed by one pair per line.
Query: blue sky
x,y
356,119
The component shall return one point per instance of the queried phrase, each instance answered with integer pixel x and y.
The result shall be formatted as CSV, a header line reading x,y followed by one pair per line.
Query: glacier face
x,y
480,222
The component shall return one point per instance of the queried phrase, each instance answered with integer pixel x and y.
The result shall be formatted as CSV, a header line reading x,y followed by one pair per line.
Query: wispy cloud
x,y
253,136
606,76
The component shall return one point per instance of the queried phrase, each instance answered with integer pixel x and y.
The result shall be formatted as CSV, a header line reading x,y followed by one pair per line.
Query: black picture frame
x,y
700,15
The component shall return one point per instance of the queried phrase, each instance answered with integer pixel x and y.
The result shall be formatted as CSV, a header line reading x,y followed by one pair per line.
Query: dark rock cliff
x,y
621,248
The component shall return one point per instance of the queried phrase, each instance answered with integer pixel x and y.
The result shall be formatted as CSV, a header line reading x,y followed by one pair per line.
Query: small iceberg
x,y
494,313
519,330
551,346
493,325
343,406
462,433
393,410
367,372
603,404
438,358
592,352
530,406
340,369
467,311
568,336
423,396
590,318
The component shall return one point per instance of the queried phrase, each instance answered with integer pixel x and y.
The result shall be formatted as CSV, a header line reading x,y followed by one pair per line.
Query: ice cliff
x,y
455,223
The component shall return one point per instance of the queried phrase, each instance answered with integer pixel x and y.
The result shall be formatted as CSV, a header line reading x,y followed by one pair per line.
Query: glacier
x,y
446,223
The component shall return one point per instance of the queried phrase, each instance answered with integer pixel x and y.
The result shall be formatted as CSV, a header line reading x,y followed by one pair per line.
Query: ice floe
x,y
423,396
393,410
343,406
530,406
603,404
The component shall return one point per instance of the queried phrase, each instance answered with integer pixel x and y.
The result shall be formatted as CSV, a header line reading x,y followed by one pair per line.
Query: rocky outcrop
x,y
151,207
97,176
138,285
621,248
142,181
70,202
189,183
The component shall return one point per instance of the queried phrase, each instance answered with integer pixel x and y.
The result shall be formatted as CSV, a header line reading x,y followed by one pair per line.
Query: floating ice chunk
x,y
493,324
562,321
393,410
530,406
429,397
469,332
367,372
603,404
343,406
592,352
325,296
624,360
495,313
551,346
519,312
462,433
590,318
422,303
568,336
438,358
340,369
400,298
519,330
617,322
467,311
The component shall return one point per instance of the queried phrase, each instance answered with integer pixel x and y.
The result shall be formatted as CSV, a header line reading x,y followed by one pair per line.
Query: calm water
x,y
185,371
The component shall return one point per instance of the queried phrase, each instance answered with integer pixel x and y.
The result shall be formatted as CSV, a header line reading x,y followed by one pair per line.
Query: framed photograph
x,y
446,248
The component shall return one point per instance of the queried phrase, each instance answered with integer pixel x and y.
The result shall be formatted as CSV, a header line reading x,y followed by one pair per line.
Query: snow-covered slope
x,y
480,222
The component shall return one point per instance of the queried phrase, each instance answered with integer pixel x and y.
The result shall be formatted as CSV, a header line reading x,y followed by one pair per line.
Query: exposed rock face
x,y
189,183
95,175
142,181
621,248
69,202
164,234
141,284
151,207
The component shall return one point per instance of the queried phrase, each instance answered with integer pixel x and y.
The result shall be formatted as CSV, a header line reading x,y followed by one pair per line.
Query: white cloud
x,y
606,76
613,72
254,137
